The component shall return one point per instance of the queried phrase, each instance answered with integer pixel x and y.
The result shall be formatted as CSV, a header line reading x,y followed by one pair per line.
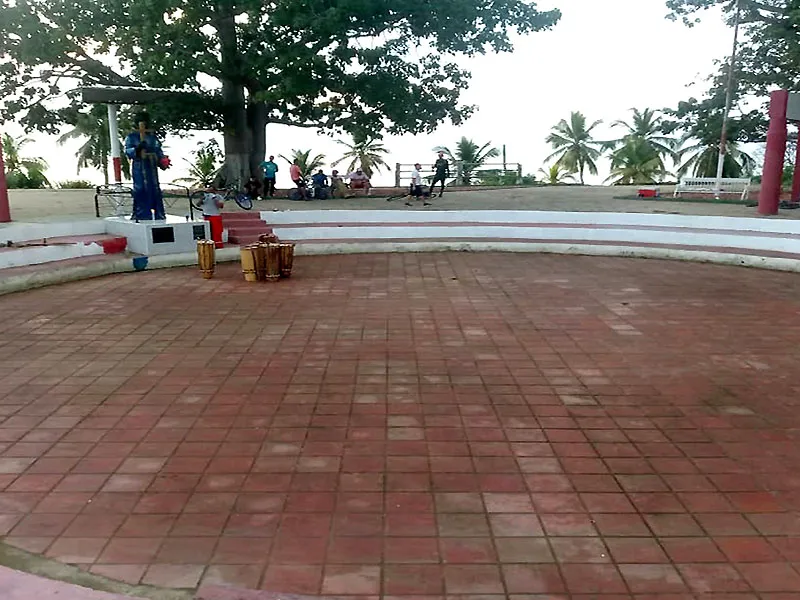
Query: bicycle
x,y
231,193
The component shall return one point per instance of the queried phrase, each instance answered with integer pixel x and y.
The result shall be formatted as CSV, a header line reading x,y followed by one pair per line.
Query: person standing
x,y
297,177
441,171
270,172
416,186
212,205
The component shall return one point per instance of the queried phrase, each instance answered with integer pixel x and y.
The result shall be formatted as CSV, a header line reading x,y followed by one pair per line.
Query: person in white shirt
x,y
212,204
416,186
359,181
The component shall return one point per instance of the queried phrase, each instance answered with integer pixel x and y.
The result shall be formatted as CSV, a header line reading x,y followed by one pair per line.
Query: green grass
x,y
737,202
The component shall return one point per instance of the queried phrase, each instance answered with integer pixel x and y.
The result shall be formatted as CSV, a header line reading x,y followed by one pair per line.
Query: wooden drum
x,y
273,252
287,259
261,260
248,257
206,257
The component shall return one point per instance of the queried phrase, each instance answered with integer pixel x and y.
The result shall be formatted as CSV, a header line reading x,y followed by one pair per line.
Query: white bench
x,y
708,185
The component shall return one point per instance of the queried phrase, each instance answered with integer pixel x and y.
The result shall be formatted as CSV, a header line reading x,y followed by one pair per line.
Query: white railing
x,y
712,185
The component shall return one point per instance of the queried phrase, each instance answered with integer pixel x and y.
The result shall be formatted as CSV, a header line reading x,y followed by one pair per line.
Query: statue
x,y
144,149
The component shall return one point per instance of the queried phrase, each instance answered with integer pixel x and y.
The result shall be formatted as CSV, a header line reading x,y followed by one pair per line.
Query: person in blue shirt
x,y
270,170
320,184
147,157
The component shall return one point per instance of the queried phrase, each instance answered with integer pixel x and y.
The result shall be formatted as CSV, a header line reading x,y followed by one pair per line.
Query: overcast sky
x,y
603,57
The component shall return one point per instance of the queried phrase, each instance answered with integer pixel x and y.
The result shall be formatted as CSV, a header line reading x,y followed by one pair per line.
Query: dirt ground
x,y
61,205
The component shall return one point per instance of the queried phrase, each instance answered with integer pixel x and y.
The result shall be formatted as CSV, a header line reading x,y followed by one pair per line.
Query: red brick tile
x,y
255,525
42,525
242,551
657,579
534,579
635,550
411,550
294,550
99,526
293,579
771,577
673,525
130,550
568,525
747,549
192,525
355,550
587,578
412,580
354,580
173,576
76,550
713,578
607,503
186,550
473,579
515,525
466,550
725,524
238,576
692,550
131,574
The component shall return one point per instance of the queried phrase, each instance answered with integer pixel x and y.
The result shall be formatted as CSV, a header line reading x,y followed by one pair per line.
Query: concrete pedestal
x,y
150,238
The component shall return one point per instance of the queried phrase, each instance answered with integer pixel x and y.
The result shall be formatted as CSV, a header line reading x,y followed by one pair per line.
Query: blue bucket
x,y
140,263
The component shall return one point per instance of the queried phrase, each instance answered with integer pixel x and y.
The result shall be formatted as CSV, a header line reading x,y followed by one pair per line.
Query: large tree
x,y
574,146
337,64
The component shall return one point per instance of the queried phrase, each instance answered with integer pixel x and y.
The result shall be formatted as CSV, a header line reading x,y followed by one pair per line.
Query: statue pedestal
x,y
175,235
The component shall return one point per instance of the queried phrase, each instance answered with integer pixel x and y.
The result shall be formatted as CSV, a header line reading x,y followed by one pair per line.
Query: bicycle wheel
x,y
196,199
244,201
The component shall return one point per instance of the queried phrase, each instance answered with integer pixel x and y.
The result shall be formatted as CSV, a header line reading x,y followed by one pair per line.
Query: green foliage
x,y
556,174
365,153
342,64
95,152
498,177
305,161
643,138
22,171
636,162
204,166
470,158
574,146
75,184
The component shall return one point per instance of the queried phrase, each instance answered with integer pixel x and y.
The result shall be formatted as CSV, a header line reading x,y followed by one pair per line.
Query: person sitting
x,y
252,188
319,184
338,186
359,181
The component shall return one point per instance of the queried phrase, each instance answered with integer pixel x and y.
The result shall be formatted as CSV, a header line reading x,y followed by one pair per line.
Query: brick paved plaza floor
x,y
433,426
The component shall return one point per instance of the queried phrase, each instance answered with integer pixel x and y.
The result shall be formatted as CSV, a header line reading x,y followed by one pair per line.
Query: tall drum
x,y
273,261
261,260
206,257
248,257
287,259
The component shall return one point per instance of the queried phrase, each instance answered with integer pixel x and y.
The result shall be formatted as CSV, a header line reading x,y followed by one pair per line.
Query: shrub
x,y
76,184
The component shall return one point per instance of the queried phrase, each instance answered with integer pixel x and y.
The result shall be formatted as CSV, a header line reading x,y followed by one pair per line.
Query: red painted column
x,y
5,208
796,180
770,196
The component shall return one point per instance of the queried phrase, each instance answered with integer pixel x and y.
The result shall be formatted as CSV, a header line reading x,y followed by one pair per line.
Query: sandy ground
x,y
60,205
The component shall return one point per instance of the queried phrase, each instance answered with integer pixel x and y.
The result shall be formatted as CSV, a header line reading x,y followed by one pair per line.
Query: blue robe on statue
x,y
148,202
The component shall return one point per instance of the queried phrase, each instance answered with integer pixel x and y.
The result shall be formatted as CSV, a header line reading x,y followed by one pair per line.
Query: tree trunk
x,y
236,134
257,122
105,169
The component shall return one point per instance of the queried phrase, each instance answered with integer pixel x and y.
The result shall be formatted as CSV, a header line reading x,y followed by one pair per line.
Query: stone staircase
x,y
244,227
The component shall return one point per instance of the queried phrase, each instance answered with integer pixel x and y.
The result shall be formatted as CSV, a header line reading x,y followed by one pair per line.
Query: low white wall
x,y
37,255
626,229
23,232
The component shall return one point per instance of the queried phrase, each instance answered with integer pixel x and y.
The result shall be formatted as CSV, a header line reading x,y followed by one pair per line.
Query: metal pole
x,y
504,160
5,208
113,135
723,140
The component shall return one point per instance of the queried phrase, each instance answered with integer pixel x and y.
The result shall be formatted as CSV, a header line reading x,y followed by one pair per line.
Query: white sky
x,y
603,58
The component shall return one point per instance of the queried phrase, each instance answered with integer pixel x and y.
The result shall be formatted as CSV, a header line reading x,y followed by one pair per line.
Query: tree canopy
x,y
353,65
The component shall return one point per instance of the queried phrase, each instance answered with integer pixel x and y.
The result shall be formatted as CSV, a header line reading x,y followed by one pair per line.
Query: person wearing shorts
x,y
415,192
441,171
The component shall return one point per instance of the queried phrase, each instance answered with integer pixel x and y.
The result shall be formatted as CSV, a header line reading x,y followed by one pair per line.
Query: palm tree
x,y
469,157
574,147
21,171
556,174
205,166
645,131
364,153
699,157
636,163
304,161
96,149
